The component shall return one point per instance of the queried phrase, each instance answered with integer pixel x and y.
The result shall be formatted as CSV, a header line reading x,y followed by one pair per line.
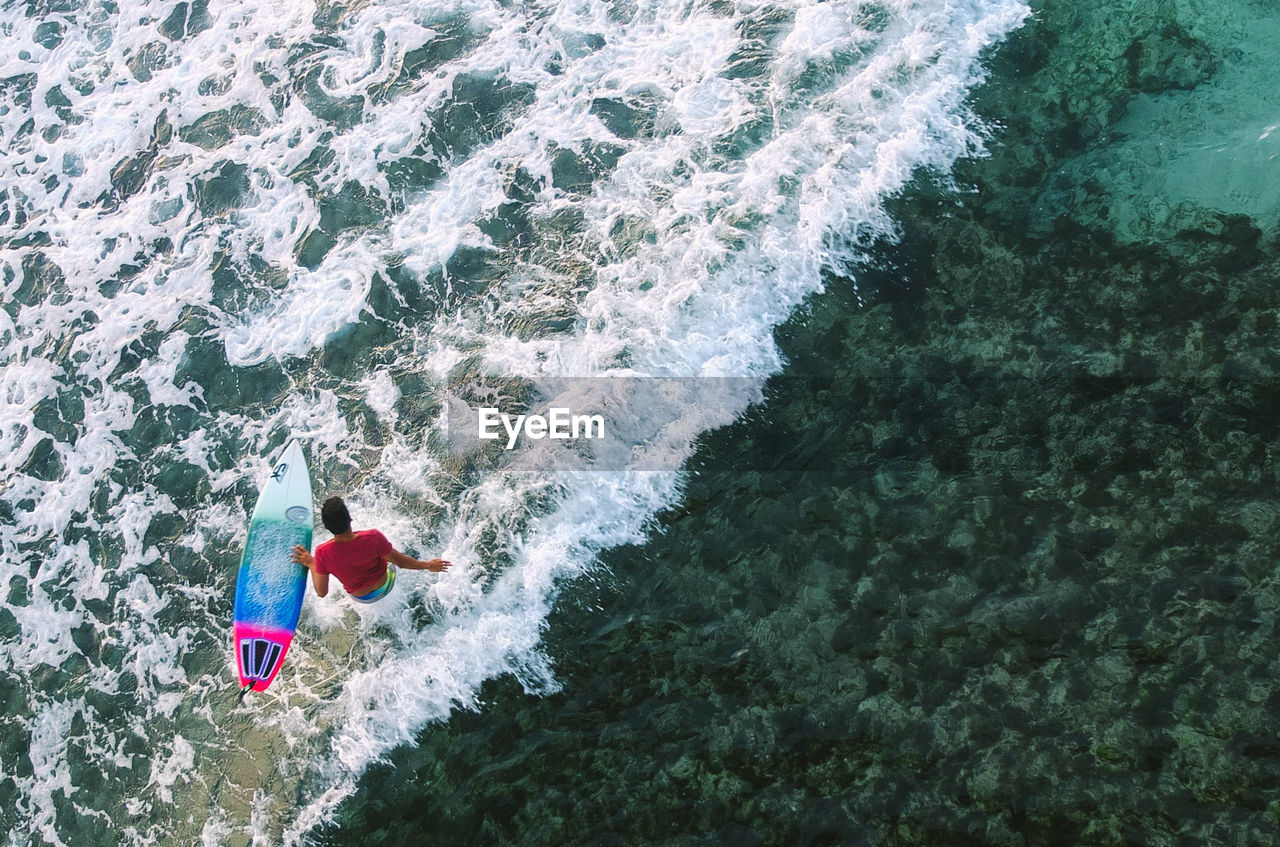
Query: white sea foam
x,y
316,306
684,186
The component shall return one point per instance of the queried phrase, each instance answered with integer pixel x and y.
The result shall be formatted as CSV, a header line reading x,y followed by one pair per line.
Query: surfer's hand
x,y
303,556
438,565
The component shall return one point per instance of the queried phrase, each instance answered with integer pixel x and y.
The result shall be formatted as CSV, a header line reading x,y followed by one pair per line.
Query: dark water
x,y
993,564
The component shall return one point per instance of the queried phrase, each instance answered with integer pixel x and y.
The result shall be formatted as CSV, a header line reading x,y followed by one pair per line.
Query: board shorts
x,y
381,591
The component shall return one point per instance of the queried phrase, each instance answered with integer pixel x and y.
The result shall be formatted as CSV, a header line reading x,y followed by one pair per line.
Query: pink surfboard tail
x,y
259,653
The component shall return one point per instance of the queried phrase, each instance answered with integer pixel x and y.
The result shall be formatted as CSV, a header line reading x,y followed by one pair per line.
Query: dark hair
x,y
334,516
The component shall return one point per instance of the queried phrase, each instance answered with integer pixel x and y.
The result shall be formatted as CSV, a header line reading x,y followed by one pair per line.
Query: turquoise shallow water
x,y
1024,591
987,561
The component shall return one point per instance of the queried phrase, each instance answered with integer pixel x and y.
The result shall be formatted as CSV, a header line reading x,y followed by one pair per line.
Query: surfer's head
x,y
334,516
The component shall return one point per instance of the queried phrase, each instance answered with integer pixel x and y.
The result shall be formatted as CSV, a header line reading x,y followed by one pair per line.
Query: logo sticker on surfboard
x,y
297,514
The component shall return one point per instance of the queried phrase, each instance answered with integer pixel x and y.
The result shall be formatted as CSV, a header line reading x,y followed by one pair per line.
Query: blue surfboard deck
x,y
270,585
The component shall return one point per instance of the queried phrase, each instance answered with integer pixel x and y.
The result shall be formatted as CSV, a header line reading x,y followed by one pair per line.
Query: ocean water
x,y
940,340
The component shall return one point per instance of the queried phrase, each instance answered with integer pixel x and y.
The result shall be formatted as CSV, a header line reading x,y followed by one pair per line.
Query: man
x,y
358,559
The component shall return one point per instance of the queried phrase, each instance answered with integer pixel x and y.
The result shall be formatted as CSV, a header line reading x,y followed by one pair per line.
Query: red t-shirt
x,y
360,564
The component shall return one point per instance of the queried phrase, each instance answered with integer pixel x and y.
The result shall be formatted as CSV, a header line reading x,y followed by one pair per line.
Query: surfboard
x,y
270,585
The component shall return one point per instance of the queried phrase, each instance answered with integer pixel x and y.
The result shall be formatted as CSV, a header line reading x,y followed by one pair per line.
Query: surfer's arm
x,y
320,581
412,564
